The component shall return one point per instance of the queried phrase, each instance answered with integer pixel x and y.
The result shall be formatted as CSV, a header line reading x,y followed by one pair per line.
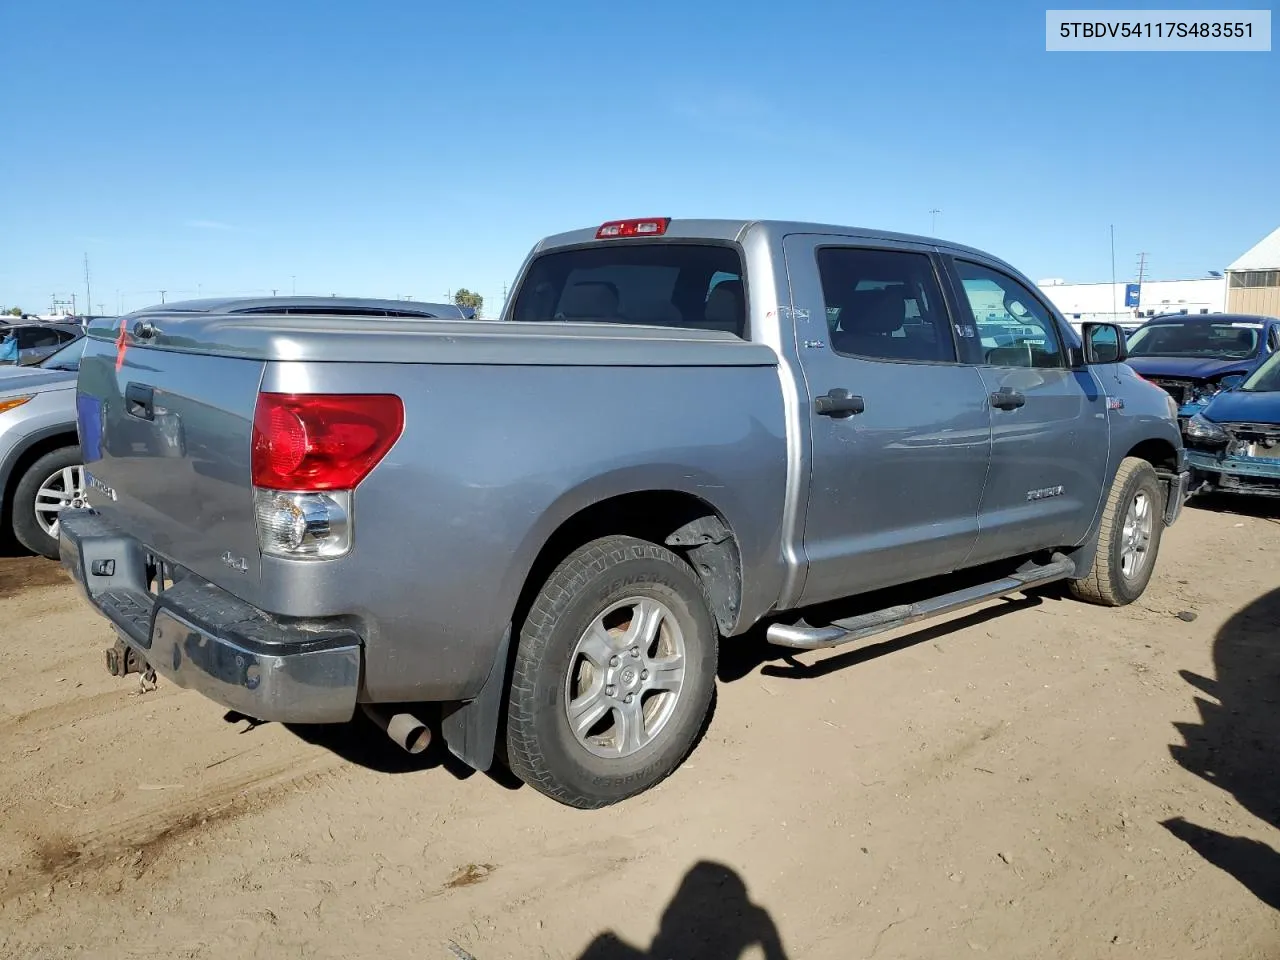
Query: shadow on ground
x,y
1236,745
361,742
710,917
1264,508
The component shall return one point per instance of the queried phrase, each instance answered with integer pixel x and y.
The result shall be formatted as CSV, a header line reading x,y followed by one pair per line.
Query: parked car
x,y
27,344
40,466
1233,444
548,524
1195,356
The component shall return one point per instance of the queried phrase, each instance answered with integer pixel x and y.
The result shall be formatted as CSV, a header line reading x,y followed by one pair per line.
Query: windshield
x,y
1228,340
1266,379
652,284
68,358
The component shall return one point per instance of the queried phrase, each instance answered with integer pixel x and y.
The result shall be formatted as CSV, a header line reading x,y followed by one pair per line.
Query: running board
x,y
801,636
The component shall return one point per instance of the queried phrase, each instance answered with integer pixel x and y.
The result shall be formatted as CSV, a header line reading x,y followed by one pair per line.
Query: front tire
x,y
613,675
52,484
1128,537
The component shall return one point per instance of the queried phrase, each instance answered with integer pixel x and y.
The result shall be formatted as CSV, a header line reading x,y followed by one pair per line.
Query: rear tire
x,y
613,675
43,479
1128,537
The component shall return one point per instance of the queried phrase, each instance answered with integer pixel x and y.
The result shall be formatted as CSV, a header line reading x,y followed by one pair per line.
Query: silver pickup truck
x,y
546,526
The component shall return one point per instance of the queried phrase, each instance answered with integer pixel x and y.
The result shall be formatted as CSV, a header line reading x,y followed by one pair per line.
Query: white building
x,y
1113,302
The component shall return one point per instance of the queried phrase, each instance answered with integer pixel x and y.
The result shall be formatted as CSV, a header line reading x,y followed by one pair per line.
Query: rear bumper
x,y
203,638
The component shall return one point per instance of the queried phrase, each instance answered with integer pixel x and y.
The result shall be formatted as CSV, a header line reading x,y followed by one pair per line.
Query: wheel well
x,y
29,456
1159,453
684,523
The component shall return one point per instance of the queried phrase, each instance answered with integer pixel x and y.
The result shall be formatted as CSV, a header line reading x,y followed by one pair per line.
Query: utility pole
x,y
273,293
162,293
102,309
1142,267
1114,310
933,223
73,305
88,297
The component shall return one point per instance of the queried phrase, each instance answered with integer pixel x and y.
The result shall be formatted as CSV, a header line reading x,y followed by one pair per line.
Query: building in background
x,y
1130,304
1253,281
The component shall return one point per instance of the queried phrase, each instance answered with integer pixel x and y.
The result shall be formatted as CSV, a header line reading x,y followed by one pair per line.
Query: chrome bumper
x,y
203,638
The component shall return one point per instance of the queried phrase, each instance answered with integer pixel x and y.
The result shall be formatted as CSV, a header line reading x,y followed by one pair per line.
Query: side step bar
x,y
801,636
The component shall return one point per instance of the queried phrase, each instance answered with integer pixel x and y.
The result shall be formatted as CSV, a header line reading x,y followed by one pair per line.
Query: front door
x,y
1049,430
900,432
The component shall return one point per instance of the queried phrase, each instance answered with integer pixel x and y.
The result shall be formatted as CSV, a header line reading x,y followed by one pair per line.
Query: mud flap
x,y
471,729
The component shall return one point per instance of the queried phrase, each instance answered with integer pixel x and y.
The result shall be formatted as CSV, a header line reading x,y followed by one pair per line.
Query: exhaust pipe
x,y
405,730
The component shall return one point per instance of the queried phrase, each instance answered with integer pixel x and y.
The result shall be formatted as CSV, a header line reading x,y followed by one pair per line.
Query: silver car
x,y
40,468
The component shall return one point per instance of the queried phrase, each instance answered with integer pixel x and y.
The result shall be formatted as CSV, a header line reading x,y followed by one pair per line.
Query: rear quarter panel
x,y
492,461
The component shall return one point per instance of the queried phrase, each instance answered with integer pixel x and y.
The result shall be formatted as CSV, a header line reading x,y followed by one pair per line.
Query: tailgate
x,y
166,438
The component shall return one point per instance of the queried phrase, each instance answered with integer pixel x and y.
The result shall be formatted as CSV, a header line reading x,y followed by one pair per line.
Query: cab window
x,y
884,305
1012,326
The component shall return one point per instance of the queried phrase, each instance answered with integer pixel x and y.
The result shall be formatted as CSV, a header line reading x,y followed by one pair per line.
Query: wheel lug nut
x,y
630,697
644,674
613,661
635,651
610,690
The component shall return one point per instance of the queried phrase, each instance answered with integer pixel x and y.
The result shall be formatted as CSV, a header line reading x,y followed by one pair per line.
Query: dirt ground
x,y
1037,778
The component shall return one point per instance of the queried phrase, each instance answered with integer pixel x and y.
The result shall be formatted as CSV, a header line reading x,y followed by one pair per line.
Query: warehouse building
x,y
1130,304
1253,281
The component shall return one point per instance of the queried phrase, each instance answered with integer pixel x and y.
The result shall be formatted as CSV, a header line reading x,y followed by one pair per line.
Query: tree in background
x,y
15,311
465,298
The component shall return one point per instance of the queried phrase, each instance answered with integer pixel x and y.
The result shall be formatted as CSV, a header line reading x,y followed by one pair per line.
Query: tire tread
x,y
574,573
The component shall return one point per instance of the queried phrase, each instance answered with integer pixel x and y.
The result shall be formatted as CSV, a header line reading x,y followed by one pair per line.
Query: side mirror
x,y
1103,343
1232,381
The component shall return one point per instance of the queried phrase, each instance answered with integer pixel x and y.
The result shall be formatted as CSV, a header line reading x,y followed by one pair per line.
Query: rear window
x,y
695,286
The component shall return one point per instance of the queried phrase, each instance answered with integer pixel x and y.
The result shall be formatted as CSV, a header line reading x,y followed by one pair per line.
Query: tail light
x,y
309,452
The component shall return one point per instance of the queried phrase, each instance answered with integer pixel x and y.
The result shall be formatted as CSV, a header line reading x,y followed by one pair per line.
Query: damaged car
x,y
1193,358
1233,444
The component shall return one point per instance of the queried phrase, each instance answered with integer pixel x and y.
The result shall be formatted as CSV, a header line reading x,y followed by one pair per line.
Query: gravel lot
x,y
1037,778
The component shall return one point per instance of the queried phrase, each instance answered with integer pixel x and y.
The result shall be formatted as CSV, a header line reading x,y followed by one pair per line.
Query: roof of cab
x,y
328,305
736,231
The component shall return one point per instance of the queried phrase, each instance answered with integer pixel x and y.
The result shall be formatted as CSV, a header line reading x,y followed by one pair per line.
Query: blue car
x,y
1193,357
1233,444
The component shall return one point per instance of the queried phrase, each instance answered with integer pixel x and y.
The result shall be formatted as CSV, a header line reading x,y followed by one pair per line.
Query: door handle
x,y
1007,398
139,401
838,403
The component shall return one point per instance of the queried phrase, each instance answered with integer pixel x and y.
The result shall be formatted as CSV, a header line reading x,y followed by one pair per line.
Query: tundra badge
x,y
1044,493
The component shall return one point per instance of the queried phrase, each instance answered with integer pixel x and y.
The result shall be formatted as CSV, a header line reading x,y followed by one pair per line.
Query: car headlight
x,y
1200,428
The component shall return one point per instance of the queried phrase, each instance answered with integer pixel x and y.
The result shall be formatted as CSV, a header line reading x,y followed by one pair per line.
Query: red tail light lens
x,y
321,441
649,227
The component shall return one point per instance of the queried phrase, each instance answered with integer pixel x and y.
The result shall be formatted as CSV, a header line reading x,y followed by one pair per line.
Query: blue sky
x,y
410,148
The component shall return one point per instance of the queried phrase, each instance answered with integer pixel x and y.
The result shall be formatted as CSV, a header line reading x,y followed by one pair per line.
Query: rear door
x,y
1049,423
899,426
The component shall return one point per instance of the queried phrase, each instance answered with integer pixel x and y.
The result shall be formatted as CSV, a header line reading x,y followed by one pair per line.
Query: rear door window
x,y
694,286
884,305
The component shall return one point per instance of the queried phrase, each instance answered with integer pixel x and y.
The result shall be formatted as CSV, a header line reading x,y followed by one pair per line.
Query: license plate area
x,y
160,575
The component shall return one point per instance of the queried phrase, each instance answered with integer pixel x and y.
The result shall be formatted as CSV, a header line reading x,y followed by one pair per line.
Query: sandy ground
x,y
1037,778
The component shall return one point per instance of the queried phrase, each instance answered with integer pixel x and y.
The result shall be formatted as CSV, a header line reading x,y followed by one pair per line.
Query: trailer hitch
x,y
123,660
